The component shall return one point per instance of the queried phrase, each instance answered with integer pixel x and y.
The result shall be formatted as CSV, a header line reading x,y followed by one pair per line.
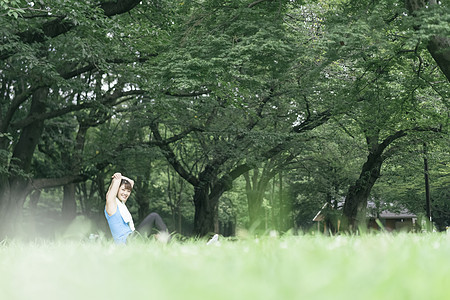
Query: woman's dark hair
x,y
127,184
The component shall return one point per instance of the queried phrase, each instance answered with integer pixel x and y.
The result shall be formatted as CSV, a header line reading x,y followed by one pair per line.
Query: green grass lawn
x,y
383,266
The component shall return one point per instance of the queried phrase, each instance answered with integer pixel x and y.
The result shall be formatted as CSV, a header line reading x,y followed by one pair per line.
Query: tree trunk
x,y
179,201
255,209
356,200
427,182
34,199
439,48
206,199
178,219
357,195
255,188
142,196
69,206
15,191
283,218
206,211
255,196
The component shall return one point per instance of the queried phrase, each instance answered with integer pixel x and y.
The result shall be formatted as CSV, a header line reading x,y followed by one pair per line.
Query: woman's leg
x,y
153,219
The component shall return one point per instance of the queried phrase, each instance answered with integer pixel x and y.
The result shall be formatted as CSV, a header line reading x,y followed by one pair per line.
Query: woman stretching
x,y
119,218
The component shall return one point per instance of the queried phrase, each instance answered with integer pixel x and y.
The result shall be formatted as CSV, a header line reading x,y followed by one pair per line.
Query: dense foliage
x,y
227,114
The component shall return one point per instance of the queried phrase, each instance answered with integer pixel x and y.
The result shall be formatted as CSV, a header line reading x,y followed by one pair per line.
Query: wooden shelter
x,y
390,217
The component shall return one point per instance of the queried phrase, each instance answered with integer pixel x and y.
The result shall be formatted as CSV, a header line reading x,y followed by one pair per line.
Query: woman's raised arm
x,y
111,205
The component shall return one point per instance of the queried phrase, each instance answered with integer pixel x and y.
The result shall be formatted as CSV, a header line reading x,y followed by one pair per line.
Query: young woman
x,y
119,218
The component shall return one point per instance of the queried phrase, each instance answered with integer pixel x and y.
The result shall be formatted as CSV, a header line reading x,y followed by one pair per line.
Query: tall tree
x,y
46,53
393,83
236,83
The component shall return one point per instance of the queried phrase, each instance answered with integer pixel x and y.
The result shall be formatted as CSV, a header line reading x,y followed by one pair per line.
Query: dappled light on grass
x,y
384,266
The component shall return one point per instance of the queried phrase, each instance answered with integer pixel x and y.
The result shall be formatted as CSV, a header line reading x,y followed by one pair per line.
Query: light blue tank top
x,y
119,229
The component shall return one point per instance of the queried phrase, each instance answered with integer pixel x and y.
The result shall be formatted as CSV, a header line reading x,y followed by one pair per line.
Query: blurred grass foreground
x,y
381,266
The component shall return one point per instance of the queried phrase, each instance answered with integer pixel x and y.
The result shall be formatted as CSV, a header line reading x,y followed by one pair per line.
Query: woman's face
x,y
123,193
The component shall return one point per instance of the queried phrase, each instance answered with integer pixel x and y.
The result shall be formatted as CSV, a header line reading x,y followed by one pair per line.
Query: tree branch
x,y
17,101
42,183
401,133
170,156
313,121
117,7
92,66
108,99
61,24
255,3
193,94
391,138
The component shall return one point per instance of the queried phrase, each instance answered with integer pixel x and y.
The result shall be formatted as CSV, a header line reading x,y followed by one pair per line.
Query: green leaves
x,y
12,8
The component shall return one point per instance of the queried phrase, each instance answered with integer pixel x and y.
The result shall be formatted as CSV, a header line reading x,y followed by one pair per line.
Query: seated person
x,y
119,218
